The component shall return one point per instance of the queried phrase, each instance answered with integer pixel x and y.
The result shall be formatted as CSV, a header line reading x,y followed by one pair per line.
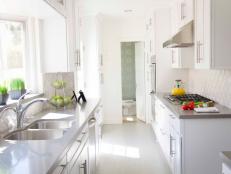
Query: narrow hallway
x,y
131,149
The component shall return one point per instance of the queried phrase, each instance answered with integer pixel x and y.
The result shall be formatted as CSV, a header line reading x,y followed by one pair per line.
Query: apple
x,y
67,100
60,102
58,84
53,101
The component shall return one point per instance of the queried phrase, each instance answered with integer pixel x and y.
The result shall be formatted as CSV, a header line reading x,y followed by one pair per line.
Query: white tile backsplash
x,y
214,84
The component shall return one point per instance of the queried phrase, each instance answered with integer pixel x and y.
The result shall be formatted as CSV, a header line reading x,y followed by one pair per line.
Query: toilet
x,y
129,108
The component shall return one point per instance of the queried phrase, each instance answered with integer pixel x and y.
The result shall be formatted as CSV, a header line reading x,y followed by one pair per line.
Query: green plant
x,y
17,85
3,90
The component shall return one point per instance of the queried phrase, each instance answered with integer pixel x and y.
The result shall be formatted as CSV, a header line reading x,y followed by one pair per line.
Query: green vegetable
x,y
3,90
17,85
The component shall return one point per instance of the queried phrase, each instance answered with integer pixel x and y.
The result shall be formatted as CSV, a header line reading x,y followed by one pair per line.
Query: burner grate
x,y
188,98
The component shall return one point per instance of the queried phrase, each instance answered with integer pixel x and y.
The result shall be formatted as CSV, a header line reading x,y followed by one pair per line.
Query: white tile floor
x,y
131,149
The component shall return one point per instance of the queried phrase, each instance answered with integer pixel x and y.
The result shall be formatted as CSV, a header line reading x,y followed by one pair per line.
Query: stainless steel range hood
x,y
184,38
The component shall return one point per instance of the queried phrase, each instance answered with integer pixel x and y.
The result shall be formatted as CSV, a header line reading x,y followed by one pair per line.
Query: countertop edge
x,y
226,158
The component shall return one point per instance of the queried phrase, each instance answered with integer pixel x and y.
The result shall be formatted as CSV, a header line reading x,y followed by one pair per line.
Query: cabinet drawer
x,y
61,168
77,153
74,148
174,122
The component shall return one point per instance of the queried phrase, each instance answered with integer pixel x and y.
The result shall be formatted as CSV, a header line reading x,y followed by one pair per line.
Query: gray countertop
x,y
226,158
39,156
224,112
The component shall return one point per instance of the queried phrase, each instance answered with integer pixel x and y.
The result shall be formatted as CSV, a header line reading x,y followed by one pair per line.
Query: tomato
x,y
184,107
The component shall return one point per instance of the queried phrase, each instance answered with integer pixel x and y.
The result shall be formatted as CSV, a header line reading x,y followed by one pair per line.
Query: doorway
x,y
133,81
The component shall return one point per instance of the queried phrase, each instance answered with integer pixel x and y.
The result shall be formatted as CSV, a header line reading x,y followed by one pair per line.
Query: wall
x,y
165,74
128,71
114,31
213,84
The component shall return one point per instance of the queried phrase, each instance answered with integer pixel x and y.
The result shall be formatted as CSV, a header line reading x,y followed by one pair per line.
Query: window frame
x,y
25,22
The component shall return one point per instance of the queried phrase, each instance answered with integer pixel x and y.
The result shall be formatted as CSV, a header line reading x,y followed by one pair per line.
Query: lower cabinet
x,y
168,135
81,156
175,152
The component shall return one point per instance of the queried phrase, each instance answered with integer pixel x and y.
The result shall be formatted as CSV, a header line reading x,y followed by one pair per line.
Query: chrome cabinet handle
x,y
162,107
84,167
173,57
92,120
101,59
199,58
182,11
77,58
172,116
172,153
197,51
162,131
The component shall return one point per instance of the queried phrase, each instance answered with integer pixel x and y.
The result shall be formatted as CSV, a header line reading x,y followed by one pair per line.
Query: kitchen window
x,y
12,49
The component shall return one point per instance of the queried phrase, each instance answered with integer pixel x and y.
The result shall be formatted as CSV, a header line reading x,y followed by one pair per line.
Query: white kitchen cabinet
x,y
182,57
225,169
212,34
150,58
167,130
194,144
185,12
162,128
175,152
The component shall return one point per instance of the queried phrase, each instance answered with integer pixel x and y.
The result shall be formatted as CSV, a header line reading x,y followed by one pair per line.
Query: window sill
x,y
12,103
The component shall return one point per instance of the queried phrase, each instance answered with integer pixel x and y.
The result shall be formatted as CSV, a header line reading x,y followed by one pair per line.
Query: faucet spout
x,y
22,111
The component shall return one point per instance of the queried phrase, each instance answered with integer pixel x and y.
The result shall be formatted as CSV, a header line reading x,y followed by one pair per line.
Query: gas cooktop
x,y
188,98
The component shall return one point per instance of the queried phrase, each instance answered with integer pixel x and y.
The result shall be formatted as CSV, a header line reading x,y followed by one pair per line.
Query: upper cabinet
x,y
182,58
181,14
150,39
212,34
185,12
59,5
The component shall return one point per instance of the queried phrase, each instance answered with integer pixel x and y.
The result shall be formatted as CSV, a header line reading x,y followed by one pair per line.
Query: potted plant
x,y
3,95
17,89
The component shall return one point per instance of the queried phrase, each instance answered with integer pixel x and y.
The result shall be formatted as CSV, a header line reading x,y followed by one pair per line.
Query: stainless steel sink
x,y
50,125
35,134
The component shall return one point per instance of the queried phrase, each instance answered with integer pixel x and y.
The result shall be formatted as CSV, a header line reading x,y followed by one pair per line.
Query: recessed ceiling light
x,y
128,10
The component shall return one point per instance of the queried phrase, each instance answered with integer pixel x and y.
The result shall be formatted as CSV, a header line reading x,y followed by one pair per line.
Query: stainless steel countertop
x,y
226,158
38,157
224,112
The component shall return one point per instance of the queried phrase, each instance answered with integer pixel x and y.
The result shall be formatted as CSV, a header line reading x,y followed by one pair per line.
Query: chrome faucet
x,y
20,110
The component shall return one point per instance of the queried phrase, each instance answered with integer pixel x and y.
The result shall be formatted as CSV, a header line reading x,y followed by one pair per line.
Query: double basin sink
x,y
41,130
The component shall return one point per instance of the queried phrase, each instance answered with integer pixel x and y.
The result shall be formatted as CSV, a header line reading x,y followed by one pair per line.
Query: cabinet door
x,y
188,11
202,36
185,11
175,58
175,152
181,12
84,166
76,168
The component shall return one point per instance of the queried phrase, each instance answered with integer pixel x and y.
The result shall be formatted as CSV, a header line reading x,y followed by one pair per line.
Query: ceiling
x,y
117,7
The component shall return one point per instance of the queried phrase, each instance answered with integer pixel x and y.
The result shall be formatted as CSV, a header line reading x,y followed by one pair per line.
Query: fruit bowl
x,y
60,101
